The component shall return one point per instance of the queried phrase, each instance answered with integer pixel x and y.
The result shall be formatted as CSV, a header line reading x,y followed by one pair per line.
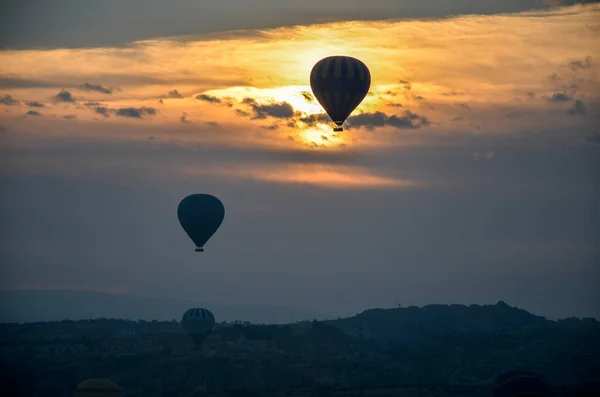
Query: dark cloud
x,y
271,127
32,24
70,117
184,119
136,113
33,113
280,110
130,112
8,100
395,105
212,124
17,82
313,119
174,94
457,119
241,113
408,120
103,110
582,64
64,96
215,100
208,98
594,139
93,104
578,108
560,97
97,88
308,96
35,104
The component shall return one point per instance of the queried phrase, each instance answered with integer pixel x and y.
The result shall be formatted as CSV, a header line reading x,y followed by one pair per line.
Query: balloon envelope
x,y
200,216
198,323
521,383
97,388
340,83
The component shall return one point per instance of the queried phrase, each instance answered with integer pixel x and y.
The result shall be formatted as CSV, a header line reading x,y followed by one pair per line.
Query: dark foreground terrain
x,y
436,350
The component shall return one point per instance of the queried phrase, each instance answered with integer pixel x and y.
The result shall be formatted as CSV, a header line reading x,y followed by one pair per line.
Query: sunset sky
x,y
469,174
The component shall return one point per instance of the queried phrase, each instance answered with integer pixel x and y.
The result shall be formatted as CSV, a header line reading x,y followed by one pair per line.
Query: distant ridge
x,y
54,305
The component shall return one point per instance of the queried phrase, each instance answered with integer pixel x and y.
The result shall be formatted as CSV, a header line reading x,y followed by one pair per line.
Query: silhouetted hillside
x,y
447,350
412,322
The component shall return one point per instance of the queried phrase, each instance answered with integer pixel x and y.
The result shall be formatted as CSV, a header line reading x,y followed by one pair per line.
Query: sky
x,y
469,174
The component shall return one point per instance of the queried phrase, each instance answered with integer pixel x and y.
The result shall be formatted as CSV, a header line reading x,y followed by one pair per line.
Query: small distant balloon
x,y
97,388
521,383
340,83
198,323
200,216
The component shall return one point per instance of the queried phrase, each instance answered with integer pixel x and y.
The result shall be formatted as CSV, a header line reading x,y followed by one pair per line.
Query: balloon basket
x,y
199,249
338,129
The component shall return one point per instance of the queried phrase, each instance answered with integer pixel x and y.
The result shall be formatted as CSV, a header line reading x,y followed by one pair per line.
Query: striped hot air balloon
x,y
198,323
97,388
521,383
340,83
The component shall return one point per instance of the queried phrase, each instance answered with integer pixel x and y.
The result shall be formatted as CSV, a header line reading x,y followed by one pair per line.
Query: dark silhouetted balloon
x,y
340,83
97,388
200,216
198,323
518,383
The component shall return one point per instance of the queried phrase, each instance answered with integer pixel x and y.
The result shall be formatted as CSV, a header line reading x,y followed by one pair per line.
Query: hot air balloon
x,y
97,388
340,83
200,216
198,323
517,383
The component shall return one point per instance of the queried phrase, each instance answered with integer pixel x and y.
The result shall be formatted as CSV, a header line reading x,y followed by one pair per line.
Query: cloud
x,y
280,110
174,94
35,104
560,97
582,64
214,100
128,112
578,108
313,119
483,155
18,82
408,120
64,96
330,177
103,110
8,100
135,113
179,17
70,117
184,119
33,113
308,97
97,88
